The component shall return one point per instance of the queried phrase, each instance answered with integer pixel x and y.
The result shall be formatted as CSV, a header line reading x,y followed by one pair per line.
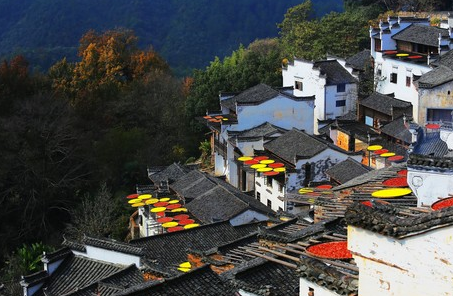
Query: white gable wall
x,y
280,111
270,191
429,186
409,266
110,256
247,217
403,70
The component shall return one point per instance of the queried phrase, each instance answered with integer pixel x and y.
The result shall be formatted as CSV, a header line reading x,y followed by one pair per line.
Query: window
x,y
341,87
379,70
341,103
258,196
269,182
408,81
269,203
280,187
298,85
394,78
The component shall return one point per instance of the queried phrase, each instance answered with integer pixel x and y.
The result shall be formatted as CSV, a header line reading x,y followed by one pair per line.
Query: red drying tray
x,y
276,165
396,182
181,217
443,203
330,250
164,219
174,229
173,206
259,158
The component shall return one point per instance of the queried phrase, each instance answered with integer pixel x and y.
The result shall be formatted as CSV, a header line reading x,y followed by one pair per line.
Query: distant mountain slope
x,y
187,33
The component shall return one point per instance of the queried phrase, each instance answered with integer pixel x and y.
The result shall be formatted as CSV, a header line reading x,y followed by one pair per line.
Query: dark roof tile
x,y
383,103
347,170
391,221
201,281
360,61
168,250
335,73
421,34
436,77
170,173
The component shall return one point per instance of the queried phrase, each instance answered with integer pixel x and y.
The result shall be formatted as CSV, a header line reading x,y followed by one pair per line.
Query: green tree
x,y
260,62
24,261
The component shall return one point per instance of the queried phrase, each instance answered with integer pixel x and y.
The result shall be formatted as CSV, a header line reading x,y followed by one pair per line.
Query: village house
x,y
329,81
306,160
246,112
405,49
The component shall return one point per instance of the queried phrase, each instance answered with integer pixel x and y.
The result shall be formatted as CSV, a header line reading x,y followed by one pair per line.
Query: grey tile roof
x,y
263,130
430,144
391,221
192,185
357,129
295,144
114,245
256,95
421,34
444,60
263,277
435,77
335,73
360,60
168,250
201,281
430,162
383,103
215,205
113,284
327,276
398,130
347,170
76,272
170,173
214,199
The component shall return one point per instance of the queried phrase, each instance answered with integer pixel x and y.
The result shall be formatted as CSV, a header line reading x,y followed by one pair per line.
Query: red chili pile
x,y
330,250
396,182
444,203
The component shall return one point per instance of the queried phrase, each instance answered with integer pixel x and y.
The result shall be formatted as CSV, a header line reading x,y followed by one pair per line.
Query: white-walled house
x,y
401,254
249,110
306,159
403,50
245,143
330,81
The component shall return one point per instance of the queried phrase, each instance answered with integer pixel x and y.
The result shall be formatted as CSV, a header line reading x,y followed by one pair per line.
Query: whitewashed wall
x,y
269,193
247,217
429,185
280,111
417,265
111,256
403,69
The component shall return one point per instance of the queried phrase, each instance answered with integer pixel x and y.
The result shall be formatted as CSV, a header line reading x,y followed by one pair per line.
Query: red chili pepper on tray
x,y
330,250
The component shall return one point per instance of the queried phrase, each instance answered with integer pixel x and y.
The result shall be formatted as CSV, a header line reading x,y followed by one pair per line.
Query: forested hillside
x,y
186,33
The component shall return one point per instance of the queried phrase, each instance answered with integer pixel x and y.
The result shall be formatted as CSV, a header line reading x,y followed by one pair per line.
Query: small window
x,y
258,196
341,87
341,103
269,182
408,81
379,70
448,93
394,78
269,203
298,85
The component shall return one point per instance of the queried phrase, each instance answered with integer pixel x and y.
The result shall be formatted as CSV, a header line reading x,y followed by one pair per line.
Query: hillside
x,y
45,30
